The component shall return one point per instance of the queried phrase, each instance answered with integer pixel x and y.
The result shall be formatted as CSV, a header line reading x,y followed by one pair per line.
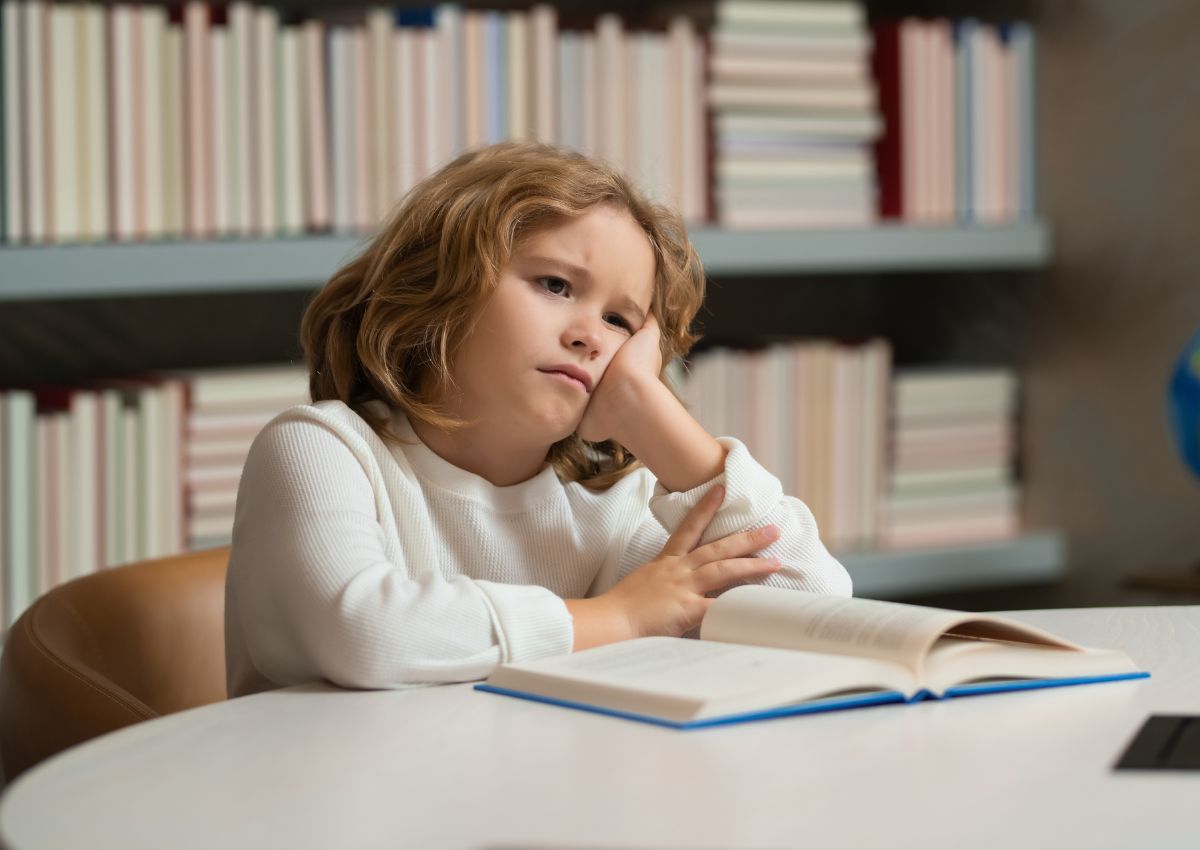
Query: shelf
x,y
169,268
1030,559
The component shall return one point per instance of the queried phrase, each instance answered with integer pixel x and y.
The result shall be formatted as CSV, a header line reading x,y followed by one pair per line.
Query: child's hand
x,y
638,361
667,595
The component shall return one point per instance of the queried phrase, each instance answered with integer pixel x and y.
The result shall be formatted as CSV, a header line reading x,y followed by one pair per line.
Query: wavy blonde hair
x,y
387,325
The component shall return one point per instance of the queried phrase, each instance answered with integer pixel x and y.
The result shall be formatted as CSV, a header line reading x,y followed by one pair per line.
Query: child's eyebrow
x,y
578,272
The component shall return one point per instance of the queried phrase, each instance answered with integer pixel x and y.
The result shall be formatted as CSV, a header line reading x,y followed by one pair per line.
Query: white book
x,y
112,479
35,20
291,133
172,462
66,106
221,132
380,61
589,103
653,107
130,485
150,490
406,130
46,517
20,526
429,111
265,131
124,120
519,122
495,118
769,15
154,26
241,73
610,83
173,178
543,27
198,188
16,174
81,484
450,137
570,131
767,652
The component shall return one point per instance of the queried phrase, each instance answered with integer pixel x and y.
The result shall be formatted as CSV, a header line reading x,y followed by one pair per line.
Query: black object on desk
x,y
1165,742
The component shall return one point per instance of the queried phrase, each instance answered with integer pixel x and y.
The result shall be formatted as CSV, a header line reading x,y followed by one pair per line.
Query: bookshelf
x,y
118,269
229,267
1032,558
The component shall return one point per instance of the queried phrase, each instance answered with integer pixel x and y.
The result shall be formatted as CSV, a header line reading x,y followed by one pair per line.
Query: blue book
x,y
767,653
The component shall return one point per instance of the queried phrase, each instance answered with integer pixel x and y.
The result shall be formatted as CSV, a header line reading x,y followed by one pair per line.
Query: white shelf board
x,y
1033,558
165,268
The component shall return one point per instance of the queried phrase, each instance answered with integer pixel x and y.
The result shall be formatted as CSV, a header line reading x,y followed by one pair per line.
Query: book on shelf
x,y
768,652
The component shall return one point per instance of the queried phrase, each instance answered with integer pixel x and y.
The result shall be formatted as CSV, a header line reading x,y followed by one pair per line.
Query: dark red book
x,y
889,153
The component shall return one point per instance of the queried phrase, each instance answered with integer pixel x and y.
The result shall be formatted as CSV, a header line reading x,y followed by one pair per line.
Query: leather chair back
x,y
111,649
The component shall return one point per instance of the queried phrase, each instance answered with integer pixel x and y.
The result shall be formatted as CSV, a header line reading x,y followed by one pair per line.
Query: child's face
x,y
572,295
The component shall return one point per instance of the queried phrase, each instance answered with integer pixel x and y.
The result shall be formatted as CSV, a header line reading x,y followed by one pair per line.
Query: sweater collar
x,y
436,470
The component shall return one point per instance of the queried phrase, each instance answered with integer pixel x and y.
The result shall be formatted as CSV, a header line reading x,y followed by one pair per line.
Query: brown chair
x,y
111,649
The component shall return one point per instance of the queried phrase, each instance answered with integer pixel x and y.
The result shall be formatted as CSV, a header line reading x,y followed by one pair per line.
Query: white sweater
x,y
377,567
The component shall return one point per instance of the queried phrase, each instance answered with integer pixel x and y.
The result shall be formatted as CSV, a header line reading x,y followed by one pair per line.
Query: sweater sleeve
x,y
320,590
753,498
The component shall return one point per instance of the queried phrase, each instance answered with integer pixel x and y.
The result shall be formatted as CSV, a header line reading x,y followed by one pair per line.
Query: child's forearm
x,y
660,432
597,622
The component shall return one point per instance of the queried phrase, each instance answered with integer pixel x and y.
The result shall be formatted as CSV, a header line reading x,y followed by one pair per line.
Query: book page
x,y
893,631
683,679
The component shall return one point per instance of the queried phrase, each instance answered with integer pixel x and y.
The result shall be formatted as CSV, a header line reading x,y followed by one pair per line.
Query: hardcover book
x,y
765,652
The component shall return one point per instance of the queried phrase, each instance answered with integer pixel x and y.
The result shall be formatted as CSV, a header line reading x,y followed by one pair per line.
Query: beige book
x,y
154,25
16,173
543,28
384,145
265,130
316,121
472,78
241,73
768,652
198,209
39,131
519,124
611,71
291,134
63,100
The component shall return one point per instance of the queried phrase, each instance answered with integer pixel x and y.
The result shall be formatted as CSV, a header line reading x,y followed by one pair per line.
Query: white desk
x,y
450,767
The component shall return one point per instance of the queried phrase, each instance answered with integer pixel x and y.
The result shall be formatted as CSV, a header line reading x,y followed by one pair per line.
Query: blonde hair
x,y
387,325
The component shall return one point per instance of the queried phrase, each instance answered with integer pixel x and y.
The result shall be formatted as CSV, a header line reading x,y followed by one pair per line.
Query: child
x,y
463,490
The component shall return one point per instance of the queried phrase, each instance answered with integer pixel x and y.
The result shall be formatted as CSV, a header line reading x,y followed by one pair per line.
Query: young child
x,y
492,469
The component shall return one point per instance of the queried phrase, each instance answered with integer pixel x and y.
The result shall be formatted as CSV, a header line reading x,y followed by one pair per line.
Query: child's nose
x,y
584,335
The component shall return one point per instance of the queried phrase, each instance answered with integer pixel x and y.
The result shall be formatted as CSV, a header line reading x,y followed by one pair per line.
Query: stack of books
x,y
794,112
226,410
123,470
815,415
952,474
958,106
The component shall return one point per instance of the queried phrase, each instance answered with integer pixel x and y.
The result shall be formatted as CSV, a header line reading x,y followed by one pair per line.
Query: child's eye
x,y
553,285
617,320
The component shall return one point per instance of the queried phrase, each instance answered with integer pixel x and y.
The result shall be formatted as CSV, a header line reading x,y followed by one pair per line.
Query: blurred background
x,y
952,250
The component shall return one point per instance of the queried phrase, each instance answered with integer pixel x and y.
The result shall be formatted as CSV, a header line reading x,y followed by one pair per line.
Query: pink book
x,y
265,132
316,121
197,118
912,123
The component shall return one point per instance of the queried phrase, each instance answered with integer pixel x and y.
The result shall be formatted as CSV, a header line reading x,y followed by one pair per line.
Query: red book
x,y
889,153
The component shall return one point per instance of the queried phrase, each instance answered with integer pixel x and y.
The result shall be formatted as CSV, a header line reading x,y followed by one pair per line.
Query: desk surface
x,y
450,767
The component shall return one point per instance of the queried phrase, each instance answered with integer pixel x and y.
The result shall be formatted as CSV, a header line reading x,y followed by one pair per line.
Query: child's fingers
x,y
718,574
735,545
687,536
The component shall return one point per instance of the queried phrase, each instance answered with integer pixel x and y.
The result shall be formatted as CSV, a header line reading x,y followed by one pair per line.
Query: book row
x,y
91,477
884,458
197,120
119,471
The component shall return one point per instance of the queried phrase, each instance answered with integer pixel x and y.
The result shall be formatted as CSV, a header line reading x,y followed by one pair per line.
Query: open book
x,y
766,652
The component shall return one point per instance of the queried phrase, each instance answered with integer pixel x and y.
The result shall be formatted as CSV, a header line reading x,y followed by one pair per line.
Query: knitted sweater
x,y
372,565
